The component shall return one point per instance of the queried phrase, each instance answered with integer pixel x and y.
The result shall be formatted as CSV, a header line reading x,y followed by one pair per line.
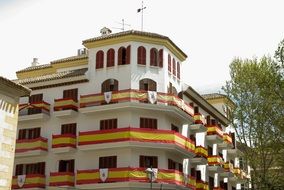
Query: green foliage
x,y
256,87
279,53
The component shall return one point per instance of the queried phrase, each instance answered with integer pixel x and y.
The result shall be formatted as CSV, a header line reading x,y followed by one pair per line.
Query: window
x,y
26,169
210,151
174,67
99,59
169,63
211,183
196,110
233,139
141,55
180,167
148,161
193,138
193,172
148,123
68,128
124,55
29,133
66,166
108,162
110,58
161,58
108,124
171,164
208,120
71,94
36,98
198,175
178,70
174,128
147,84
110,85
154,57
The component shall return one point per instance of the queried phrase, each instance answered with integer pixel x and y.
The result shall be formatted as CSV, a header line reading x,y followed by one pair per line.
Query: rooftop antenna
x,y
123,24
141,10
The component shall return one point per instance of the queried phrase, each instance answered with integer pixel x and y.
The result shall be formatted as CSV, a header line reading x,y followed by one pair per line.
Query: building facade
x,y
118,116
9,99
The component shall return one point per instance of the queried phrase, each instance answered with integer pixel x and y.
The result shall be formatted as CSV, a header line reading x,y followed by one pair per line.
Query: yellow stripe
x,y
28,181
62,140
35,144
62,178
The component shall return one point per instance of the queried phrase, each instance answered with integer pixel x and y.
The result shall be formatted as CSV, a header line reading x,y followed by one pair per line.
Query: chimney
x,y
105,31
35,62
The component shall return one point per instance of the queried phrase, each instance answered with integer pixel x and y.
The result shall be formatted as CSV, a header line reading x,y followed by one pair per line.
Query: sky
x,y
210,32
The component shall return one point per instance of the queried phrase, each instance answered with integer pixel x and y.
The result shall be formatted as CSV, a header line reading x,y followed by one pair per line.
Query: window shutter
x,y
41,168
169,63
110,58
128,54
174,67
142,161
180,167
19,169
178,70
193,172
143,56
198,175
161,58
37,133
71,166
119,57
139,55
155,162
152,57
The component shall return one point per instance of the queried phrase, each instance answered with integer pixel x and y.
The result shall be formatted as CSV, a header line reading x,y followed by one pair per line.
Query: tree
x,y
279,53
256,87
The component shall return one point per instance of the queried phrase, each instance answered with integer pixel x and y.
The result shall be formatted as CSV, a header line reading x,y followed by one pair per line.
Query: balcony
x,y
228,170
135,178
201,156
34,111
201,185
31,147
239,176
214,134
136,99
227,142
136,137
199,124
63,143
65,107
65,179
31,181
215,164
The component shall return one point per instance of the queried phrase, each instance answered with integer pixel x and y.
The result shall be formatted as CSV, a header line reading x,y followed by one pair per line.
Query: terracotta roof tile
x,y
32,68
213,96
72,58
60,75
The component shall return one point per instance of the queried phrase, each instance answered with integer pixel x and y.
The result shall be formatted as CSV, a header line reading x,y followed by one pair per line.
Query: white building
x,y
99,119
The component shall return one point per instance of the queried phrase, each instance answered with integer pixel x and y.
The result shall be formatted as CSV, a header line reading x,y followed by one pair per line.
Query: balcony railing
x,y
34,108
30,181
214,130
65,104
26,145
201,151
229,167
215,160
199,119
227,138
134,96
65,140
201,185
136,135
61,179
129,174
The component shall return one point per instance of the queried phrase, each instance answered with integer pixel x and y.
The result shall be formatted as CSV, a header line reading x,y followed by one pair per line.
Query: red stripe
x,y
34,185
65,183
64,99
30,149
61,145
61,173
63,135
31,140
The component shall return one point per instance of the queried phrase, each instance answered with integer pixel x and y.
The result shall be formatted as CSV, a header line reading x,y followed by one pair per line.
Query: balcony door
x,y
36,98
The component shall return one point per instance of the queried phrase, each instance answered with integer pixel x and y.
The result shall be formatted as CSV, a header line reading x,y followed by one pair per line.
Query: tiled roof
x,y
7,82
32,68
134,32
72,58
60,75
213,96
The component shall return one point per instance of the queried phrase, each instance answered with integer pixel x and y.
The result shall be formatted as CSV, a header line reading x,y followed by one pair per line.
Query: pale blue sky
x,y
210,32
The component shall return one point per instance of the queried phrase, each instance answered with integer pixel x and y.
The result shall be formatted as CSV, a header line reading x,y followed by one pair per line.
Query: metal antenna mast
x,y
141,10
123,24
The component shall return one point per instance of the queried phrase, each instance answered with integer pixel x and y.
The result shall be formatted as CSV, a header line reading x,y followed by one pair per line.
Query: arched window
x,y
174,67
154,57
100,59
178,70
147,85
161,58
110,85
141,55
169,63
124,55
110,58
